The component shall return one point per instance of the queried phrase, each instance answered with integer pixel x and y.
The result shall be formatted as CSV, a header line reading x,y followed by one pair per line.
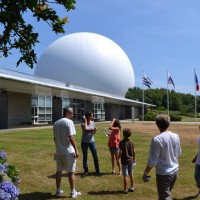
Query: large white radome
x,y
88,60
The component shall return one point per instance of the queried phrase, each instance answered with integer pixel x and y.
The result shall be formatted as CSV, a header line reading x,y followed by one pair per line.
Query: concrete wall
x,y
127,112
19,108
57,111
3,110
112,111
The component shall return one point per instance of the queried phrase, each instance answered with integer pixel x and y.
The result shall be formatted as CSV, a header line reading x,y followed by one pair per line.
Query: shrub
x,y
9,179
175,118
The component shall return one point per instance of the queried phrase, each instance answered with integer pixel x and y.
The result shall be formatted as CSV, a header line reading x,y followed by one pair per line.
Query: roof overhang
x,y
23,83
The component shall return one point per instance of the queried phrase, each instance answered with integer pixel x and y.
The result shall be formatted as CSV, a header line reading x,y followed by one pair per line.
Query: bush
x,y
175,118
9,179
151,115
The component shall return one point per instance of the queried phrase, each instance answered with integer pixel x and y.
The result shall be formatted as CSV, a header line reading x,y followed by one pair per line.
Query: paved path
x,y
32,127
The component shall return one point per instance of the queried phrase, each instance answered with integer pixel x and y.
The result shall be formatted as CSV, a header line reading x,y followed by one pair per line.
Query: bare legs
x,y
126,181
71,179
58,179
114,156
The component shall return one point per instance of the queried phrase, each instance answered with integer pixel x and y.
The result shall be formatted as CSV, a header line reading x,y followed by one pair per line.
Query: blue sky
x,y
156,35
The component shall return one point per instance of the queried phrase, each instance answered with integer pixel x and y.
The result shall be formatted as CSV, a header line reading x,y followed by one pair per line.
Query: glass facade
x,y
41,109
99,111
79,105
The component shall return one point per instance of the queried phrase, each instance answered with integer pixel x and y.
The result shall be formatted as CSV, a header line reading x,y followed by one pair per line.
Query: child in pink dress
x,y
113,143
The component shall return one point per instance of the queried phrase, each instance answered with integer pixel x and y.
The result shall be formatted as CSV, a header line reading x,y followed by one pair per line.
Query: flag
x,y
196,82
147,81
170,81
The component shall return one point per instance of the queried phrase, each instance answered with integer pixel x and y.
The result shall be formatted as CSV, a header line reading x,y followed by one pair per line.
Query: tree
x,y
179,102
134,93
19,35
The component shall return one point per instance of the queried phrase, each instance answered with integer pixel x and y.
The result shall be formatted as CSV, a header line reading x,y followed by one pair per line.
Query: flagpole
x,y
143,102
147,82
195,100
167,95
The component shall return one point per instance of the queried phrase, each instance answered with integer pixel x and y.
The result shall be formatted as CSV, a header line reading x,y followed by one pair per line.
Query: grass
x,y
32,152
190,119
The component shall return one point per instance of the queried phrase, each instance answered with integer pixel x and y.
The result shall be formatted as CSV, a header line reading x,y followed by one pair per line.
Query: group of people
x,y
163,154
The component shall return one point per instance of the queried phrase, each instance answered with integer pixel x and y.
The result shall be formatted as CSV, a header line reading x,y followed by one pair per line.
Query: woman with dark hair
x,y
88,131
113,143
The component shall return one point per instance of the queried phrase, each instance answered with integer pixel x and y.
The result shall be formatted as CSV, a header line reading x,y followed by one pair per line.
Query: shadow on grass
x,y
39,196
187,198
53,176
82,175
105,192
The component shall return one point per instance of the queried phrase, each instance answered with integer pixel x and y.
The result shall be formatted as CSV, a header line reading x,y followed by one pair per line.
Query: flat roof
x,y
25,83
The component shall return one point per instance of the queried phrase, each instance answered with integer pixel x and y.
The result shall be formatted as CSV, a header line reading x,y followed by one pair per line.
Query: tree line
x,y
182,104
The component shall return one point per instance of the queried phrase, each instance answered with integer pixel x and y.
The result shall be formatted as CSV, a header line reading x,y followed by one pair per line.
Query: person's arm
x,y
95,129
120,154
146,171
111,125
194,159
153,158
85,127
73,143
134,159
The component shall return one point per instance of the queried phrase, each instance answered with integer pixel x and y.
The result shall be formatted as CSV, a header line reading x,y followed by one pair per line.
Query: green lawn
x,y
32,152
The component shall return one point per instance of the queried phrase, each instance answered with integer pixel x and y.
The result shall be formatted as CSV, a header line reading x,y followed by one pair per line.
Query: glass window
x,y
48,110
41,110
41,117
41,101
48,101
48,117
34,101
65,102
70,102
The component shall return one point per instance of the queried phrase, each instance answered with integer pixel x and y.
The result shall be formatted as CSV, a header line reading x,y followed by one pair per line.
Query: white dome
x,y
88,60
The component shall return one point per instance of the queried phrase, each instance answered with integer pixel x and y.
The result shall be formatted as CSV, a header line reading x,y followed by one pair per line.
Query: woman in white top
x,y
88,131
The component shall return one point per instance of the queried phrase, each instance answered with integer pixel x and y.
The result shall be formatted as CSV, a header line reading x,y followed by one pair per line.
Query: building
x,y
86,71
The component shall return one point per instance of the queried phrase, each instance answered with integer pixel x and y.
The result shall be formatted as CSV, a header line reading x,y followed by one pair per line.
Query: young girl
x,y
113,143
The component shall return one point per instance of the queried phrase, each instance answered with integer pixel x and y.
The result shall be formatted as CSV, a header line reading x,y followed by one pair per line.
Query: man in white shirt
x,y
163,154
66,150
196,160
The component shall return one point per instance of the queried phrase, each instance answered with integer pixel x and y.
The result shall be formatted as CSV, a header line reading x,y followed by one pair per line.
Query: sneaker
x,y
198,194
86,174
75,194
98,174
59,192
125,192
131,189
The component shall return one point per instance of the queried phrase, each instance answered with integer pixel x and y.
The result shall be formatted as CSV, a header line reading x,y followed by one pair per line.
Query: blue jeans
x,y
92,147
197,175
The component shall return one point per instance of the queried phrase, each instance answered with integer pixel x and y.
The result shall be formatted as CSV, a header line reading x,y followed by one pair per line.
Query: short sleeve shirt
x,y
62,130
87,136
114,139
127,148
